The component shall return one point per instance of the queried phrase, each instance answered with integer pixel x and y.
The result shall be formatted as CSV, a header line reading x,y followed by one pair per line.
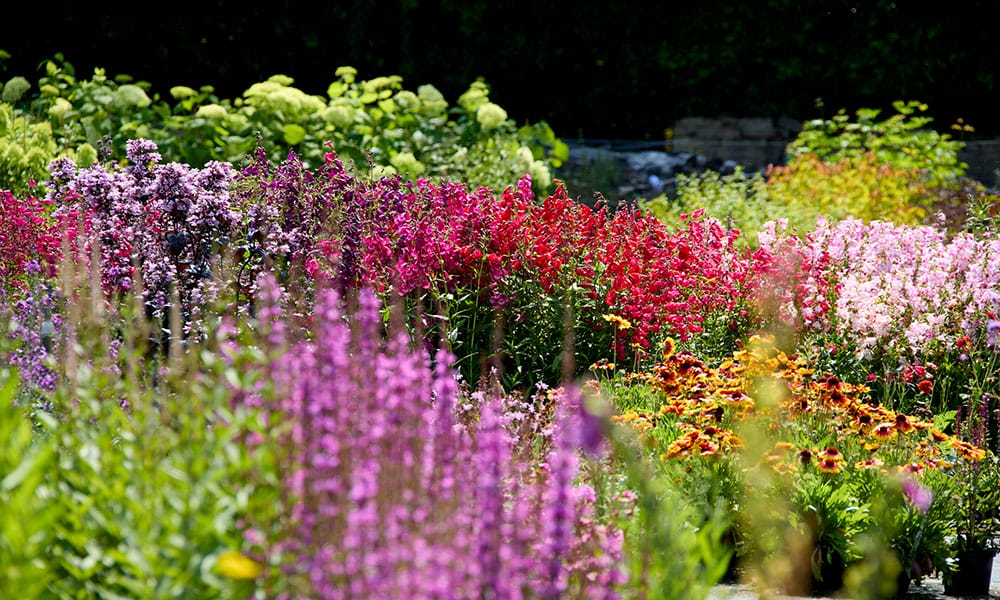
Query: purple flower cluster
x,y
164,223
33,326
392,496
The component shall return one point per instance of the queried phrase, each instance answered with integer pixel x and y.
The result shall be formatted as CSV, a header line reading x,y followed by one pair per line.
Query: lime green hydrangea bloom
x,y
131,95
491,116
181,92
15,88
211,111
60,107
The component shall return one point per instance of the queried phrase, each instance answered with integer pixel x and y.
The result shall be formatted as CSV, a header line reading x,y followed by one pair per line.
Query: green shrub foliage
x,y
375,123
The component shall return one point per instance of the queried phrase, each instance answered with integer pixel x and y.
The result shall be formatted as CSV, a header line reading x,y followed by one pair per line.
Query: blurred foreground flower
x,y
235,565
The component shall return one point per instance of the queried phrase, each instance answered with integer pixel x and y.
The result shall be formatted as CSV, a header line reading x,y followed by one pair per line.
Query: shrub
x,y
375,120
800,192
862,187
902,141
27,147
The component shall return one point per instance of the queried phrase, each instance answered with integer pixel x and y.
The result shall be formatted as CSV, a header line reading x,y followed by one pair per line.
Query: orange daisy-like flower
x,y
619,322
863,421
707,447
938,435
967,450
828,465
804,371
836,398
903,424
831,453
668,348
674,407
884,431
868,464
683,444
787,446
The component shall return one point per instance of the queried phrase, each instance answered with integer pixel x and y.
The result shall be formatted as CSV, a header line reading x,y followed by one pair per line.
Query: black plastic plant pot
x,y
972,575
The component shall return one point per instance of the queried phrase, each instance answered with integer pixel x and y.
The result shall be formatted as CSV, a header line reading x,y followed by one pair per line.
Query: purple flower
x,y
992,332
918,495
389,497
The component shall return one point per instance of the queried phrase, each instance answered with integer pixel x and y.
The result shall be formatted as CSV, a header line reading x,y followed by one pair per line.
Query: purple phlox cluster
x,y
390,498
34,325
170,221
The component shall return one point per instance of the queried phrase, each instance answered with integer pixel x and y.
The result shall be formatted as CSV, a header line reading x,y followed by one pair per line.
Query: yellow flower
x,y
235,565
668,348
618,321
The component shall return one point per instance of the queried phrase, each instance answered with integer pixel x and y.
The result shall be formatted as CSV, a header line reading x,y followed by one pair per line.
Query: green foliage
x,y
738,199
375,122
26,518
151,475
675,544
833,515
860,186
26,149
903,141
801,191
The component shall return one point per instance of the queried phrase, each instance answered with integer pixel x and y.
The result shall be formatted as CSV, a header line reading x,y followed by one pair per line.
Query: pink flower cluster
x,y
887,286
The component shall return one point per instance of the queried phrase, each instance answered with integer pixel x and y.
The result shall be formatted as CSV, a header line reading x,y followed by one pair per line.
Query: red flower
x,y
926,386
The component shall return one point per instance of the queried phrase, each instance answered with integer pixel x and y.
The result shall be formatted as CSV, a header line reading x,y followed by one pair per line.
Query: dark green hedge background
x,y
590,68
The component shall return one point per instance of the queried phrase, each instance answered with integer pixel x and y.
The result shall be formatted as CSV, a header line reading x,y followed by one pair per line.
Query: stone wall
x,y
756,142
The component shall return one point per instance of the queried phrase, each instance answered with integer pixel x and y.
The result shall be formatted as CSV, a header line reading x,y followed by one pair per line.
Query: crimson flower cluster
x,y
27,235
